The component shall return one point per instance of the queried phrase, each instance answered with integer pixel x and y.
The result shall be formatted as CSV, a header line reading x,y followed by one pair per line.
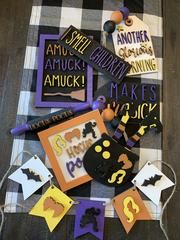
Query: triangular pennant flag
x,y
32,175
151,181
89,218
53,205
130,208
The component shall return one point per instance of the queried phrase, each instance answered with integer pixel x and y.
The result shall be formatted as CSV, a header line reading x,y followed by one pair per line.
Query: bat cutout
x,y
50,203
31,175
90,217
152,180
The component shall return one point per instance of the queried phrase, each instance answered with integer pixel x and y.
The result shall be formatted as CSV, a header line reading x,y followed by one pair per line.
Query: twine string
x,y
16,204
168,199
1,184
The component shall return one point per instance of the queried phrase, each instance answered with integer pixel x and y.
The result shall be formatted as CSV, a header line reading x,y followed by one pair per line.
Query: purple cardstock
x,y
82,207
39,101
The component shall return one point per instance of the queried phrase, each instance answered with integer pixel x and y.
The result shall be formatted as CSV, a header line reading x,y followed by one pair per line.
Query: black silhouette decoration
x,y
31,175
90,217
88,128
152,180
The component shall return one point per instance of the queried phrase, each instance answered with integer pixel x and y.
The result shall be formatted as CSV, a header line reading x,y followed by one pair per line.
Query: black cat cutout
x,y
90,217
108,162
31,175
152,180
88,128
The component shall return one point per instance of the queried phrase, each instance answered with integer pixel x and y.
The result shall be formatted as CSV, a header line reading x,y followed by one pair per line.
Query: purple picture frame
x,y
38,99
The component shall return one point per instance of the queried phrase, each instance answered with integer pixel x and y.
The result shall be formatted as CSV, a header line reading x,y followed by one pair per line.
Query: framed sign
x,y
63,80
65,145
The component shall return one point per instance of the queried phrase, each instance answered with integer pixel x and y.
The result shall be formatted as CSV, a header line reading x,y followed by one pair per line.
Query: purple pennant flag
x,y
89,218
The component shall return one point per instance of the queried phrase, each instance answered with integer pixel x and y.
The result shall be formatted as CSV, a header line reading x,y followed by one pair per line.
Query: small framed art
x,y
63,80
65,145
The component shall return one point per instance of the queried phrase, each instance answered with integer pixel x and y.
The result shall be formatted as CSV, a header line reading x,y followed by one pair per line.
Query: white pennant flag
x,y
151,181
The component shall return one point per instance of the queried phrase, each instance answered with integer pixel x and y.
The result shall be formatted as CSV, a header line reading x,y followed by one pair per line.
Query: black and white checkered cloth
x,y
53,17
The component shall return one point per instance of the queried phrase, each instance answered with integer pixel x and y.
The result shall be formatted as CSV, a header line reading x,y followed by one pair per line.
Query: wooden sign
x,y
94,54
142,98
65,145
132,91
133,44
63,79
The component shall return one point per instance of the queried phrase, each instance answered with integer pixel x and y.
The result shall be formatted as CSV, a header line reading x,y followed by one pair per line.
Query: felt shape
x,y
31,175
151,181
58,144
108,162
63,80
74,133
130,208
88,128
67,160
124,158
50,203
95,54
132,42
52,206
89,218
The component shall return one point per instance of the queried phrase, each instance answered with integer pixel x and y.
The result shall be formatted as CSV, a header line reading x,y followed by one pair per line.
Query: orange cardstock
x,y
65,145
130,208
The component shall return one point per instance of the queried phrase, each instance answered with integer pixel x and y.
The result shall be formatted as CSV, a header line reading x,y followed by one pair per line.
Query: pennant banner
x,y
89,218
151,181
32,175
130,208
53,205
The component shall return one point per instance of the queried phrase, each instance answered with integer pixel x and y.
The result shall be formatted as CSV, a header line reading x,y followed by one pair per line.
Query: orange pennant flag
x,y
130,208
